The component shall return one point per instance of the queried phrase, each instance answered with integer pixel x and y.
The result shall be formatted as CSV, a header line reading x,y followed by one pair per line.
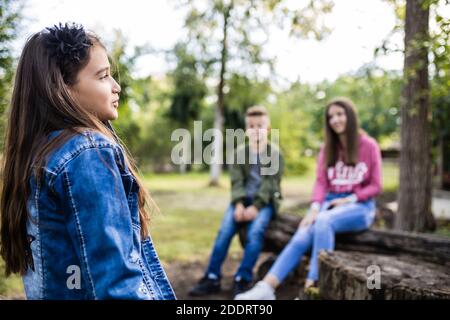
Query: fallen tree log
x,y
429,247
351,275
413,265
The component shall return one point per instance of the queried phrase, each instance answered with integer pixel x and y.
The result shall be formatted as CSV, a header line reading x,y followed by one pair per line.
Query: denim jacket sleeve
x,y
99,223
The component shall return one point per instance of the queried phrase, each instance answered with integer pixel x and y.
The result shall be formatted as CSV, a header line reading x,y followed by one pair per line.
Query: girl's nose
x,y
117,87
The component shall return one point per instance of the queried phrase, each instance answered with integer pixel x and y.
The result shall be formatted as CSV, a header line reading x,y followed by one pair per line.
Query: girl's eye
x,y
105,76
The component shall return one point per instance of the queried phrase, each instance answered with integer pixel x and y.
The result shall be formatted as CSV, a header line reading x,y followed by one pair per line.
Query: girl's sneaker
x,y
261,291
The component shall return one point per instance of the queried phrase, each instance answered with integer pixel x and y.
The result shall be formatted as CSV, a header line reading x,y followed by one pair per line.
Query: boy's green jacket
x,y
269,190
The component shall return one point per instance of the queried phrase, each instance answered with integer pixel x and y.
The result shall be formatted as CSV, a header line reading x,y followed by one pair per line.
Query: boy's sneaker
x,y
261,291
205,286
240,286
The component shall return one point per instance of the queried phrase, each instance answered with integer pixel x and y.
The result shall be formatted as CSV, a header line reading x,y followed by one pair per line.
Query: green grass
x,y
190,182
191,211
443,230
190,215
390,178
187,235
11,286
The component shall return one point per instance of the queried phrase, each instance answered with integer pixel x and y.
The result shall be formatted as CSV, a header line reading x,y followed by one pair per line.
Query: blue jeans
x,y
320,235
255,240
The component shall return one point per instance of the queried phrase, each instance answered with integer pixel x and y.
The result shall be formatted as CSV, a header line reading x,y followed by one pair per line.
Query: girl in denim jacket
x,y
74,214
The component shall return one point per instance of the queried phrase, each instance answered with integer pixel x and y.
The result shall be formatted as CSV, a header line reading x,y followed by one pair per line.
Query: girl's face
x,y
95,89
337,118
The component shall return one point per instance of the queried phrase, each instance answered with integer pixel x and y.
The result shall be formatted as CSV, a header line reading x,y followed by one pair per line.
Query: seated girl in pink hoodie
x,y
348,179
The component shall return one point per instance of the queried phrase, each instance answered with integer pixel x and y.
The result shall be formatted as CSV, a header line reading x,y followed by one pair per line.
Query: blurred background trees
x,y
221,67
10,19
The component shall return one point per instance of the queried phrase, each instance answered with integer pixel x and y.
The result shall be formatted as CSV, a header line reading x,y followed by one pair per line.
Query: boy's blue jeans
x,y
320,235
255,239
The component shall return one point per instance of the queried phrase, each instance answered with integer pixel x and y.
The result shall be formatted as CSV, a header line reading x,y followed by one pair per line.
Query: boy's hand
x,y
250,213
239,212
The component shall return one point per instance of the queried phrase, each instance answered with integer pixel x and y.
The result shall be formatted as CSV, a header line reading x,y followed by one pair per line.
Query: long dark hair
x,y
41,103
352,132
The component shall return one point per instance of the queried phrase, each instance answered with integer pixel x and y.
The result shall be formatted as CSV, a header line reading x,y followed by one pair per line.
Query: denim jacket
x,y
84,228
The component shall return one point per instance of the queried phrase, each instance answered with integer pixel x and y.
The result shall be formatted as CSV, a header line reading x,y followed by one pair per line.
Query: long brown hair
x,y
41,103
352,132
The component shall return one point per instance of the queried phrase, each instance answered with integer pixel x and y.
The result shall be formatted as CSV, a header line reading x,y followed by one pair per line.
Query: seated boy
x,y
255,198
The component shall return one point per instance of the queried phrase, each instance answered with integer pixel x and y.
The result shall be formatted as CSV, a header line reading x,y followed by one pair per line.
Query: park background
x,y
183,61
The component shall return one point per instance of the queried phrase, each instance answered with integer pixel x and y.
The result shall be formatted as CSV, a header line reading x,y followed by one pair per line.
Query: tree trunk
x,y
352,276
414,211
216,165
440,162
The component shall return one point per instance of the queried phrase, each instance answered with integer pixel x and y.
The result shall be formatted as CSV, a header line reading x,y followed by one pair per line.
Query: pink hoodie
x,y
363,179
